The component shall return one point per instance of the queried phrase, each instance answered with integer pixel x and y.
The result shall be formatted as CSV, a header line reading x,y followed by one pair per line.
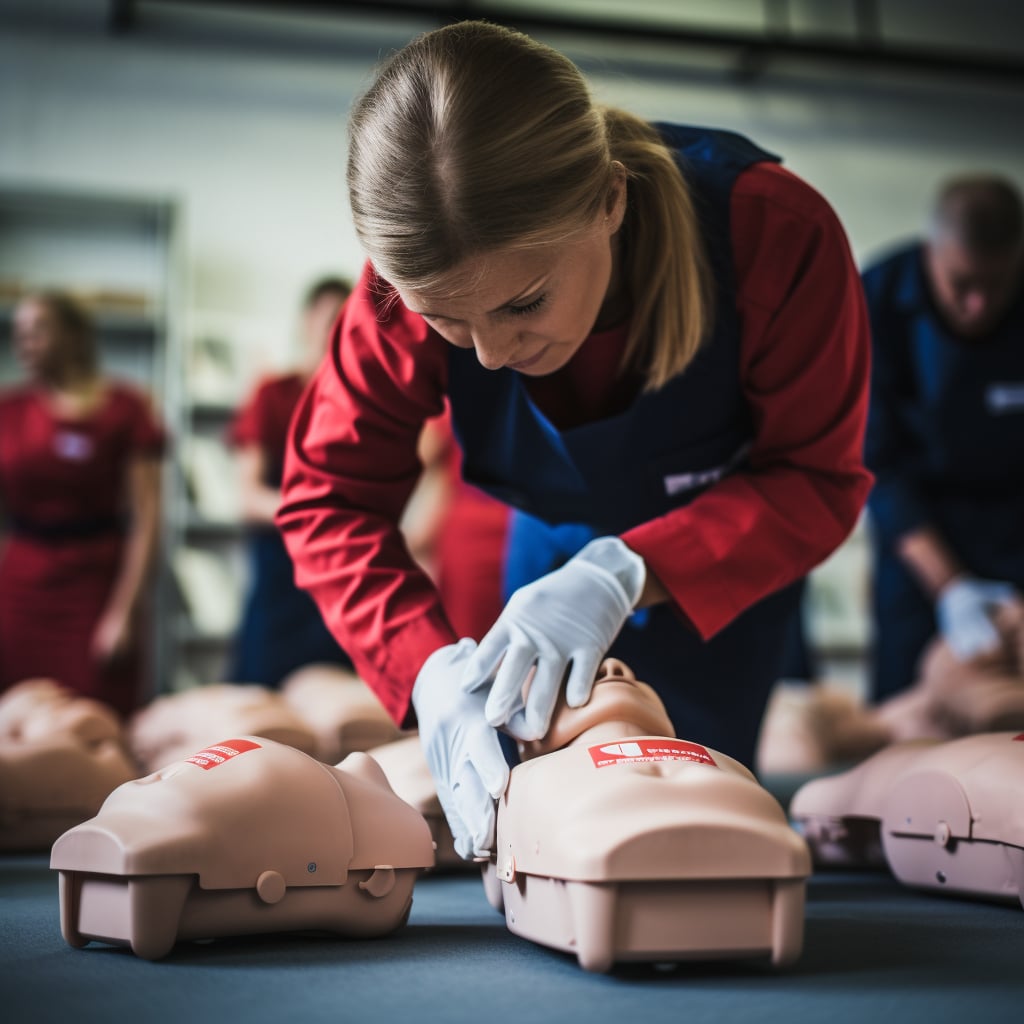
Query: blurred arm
x,y
259,502
144,489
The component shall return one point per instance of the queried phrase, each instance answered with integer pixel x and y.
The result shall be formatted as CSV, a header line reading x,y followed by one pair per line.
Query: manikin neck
x,y
605,732
619,706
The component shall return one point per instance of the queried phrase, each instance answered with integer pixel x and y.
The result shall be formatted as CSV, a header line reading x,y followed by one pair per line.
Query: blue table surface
x,y
873,952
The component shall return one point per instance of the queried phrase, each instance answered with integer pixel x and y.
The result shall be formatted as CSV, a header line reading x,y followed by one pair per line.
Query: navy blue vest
x,y
609,475
669,445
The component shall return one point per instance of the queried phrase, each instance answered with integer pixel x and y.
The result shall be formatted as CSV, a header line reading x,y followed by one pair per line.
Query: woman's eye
x,y
530,307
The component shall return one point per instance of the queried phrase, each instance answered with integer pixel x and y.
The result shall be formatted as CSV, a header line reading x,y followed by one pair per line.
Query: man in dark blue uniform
x,y
946,429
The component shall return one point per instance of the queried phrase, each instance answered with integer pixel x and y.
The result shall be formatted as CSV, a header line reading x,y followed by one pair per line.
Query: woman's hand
x,y
462,750
562,623
112,635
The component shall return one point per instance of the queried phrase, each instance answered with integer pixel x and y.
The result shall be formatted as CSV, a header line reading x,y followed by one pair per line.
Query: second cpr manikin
x,y
943,816
245,836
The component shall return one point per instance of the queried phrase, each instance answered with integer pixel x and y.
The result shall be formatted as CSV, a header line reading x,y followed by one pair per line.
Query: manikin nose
x,y
612,668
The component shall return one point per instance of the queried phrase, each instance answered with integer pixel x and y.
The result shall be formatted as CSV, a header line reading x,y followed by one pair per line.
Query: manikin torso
x,y
340,708
60,755
244,836
176,725
942,815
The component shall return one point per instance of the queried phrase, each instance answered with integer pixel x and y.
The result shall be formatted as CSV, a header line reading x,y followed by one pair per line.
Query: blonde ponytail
x,y
475,139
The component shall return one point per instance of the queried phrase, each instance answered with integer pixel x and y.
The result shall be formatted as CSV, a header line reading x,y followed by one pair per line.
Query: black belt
x,y
75,529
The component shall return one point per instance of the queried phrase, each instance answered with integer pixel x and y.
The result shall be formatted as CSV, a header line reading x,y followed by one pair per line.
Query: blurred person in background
x,y
80,503
281,628
945,433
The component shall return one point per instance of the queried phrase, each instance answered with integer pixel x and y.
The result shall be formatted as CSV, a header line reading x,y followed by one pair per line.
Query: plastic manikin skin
x,y
807,728
175,726
963,699
42,708
407,771
246,836
942,815
60,755
628,844
340,708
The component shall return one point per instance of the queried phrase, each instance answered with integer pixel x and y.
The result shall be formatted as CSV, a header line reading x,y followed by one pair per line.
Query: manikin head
x,y
619,705
490,193
974,255
54,339
320,309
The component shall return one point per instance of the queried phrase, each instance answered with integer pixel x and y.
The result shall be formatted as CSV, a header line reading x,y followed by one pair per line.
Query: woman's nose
x,y
494,348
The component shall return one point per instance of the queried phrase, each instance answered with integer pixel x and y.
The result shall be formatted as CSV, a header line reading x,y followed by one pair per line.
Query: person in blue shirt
x,y
945,434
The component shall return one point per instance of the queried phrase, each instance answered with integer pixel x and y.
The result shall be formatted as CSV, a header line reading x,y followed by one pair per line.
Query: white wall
x,y
247,132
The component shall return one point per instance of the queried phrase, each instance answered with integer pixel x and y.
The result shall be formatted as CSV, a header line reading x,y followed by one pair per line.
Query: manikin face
x,y
37,338
530,309
972,292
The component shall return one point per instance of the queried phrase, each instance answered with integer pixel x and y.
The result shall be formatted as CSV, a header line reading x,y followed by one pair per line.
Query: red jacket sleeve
x,y
804,363
350,466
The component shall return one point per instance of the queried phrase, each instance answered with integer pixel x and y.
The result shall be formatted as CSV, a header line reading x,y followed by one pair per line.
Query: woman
x,y
654,346
281,628
80,491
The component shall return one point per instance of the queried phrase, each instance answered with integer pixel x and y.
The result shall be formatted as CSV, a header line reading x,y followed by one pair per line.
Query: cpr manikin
x,y
942,815
616,841
178,724
340,708
245,836
810,728
60,755
39,708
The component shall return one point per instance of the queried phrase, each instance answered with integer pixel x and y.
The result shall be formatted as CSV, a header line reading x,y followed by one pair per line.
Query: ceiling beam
x,y
754,51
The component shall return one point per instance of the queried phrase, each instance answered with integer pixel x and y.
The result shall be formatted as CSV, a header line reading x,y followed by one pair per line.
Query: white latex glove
x,y
462,750
571,615
964,612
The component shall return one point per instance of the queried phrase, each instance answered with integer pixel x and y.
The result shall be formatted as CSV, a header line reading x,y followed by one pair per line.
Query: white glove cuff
x,y
612,555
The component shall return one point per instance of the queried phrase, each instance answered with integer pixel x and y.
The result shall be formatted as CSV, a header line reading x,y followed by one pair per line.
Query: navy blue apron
x,y
281,629
612,474
964,414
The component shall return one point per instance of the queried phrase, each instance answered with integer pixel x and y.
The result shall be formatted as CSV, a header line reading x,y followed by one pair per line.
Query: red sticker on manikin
x,y
221,752
646,751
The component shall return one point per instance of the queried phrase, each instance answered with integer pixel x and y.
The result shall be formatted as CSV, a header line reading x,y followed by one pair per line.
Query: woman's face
x,y
37,338
529,309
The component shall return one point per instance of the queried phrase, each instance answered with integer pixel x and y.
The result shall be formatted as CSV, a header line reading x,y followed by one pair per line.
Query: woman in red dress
x,y
80,498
